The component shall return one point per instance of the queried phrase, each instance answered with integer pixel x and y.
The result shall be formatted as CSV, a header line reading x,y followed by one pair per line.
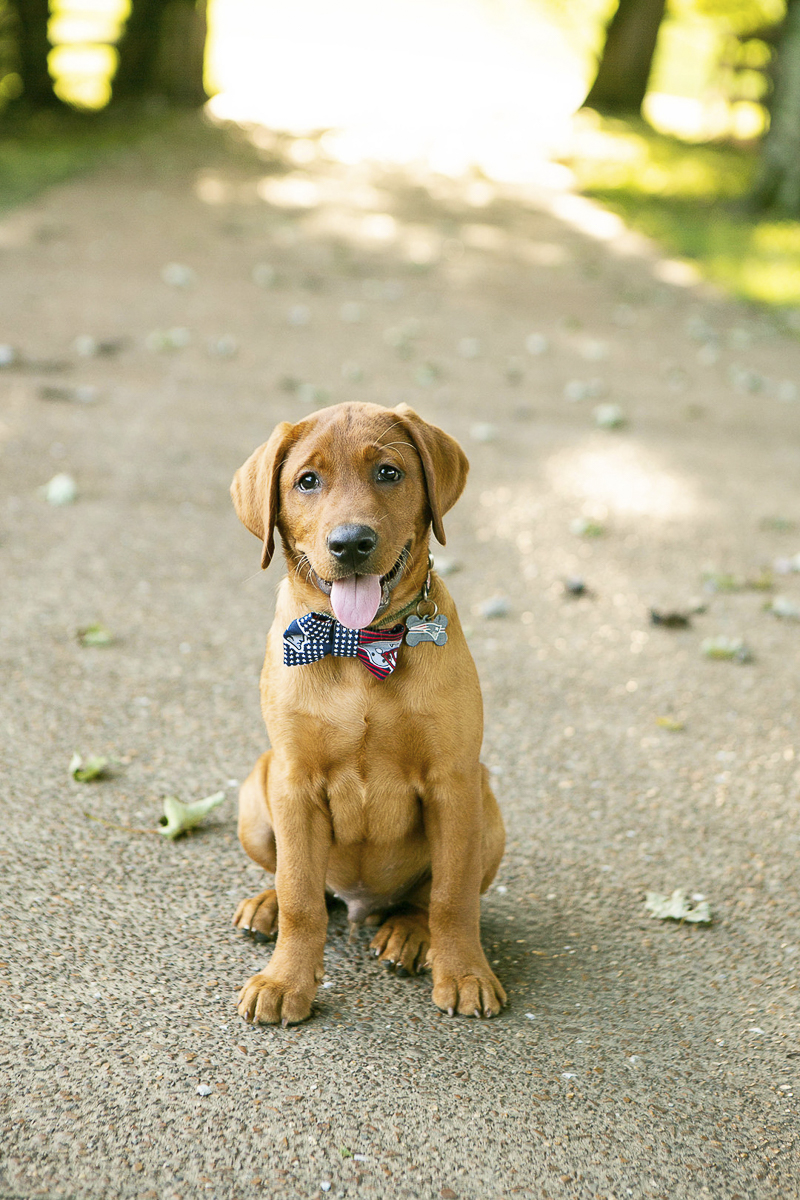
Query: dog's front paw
x,y
474,992
267,1000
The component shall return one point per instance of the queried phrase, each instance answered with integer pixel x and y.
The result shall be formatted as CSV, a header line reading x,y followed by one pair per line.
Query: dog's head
x,y
353,491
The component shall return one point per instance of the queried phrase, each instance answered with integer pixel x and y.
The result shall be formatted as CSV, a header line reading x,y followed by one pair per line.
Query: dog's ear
x,y
256,488
444,465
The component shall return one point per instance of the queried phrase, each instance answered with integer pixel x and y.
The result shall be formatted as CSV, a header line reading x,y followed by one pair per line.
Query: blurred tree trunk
x,y
777,182
621,81
161,52
33,47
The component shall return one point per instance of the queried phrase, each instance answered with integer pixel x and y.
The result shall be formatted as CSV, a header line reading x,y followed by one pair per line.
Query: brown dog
x,y
373,789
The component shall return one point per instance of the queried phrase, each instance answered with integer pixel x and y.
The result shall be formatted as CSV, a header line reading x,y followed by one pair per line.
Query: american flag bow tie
x,y
310,638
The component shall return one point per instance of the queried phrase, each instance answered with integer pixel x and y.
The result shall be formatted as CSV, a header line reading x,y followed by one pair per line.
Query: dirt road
x,y
638,1058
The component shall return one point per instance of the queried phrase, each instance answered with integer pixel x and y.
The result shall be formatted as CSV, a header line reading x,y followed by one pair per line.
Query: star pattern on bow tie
x,y
315,635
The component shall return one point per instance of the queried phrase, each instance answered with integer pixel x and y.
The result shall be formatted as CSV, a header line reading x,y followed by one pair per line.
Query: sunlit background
x,y
488,90
487,80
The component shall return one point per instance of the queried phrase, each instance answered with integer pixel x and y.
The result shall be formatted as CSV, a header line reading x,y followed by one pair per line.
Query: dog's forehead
x,y
350,435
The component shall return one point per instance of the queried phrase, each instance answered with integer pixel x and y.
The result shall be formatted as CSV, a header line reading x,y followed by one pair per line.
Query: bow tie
x,y
310,638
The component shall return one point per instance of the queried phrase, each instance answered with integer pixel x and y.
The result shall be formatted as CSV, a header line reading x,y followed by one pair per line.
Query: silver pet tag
x,y
426,629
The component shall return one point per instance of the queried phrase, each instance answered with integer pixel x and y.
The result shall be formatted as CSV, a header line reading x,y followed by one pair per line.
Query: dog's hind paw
x,y
258,915
403,941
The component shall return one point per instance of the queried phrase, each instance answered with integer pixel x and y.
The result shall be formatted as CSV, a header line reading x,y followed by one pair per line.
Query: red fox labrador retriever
x,y
373,789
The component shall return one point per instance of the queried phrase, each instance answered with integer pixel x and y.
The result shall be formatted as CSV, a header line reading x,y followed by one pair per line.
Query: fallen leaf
x,y
179,817
782,606
575,586
726,648
84,770
678,907
670,723
95,635
609,416
670,620
584,527
82,393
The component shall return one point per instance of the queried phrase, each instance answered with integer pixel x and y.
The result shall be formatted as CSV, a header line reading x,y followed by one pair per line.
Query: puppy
x,y
373,789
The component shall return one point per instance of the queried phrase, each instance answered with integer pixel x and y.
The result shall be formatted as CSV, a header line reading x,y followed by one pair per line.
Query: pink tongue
x,y
356,600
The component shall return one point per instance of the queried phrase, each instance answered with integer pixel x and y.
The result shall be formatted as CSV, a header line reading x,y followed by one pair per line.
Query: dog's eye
x,y
309,482
388,474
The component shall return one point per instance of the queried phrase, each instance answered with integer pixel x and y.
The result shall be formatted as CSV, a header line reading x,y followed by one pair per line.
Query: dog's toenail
x,y
478,1012
450,1011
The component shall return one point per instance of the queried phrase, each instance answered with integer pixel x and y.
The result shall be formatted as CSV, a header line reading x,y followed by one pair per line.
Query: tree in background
x,y
624,69
161,52
29,46
777,182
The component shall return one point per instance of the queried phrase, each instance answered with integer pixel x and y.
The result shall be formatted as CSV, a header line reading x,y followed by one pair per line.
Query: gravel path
x,y
638,1058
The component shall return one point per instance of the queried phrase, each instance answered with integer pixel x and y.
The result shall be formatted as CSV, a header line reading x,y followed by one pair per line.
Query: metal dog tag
x,y
426,629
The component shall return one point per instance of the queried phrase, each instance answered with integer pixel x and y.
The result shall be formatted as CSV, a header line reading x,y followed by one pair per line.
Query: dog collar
x,y
313,636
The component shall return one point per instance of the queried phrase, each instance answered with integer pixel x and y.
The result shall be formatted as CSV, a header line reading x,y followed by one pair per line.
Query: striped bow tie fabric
x,y
310,638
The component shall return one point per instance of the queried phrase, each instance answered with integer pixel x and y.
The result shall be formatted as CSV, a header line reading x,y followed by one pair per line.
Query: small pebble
x,y
739,339
325,1185
708,355
699,329
483,431
469,347
264,275
447,566
536,344
62,489
594,350
624,316
576,390
745,380
427,374
495,606
203,1089
787,566
351,312
223,347
177,275
515,370
86,346
310,393
531,1016
609,416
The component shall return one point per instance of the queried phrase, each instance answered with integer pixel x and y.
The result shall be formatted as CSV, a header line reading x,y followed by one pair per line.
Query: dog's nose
x,y
350,545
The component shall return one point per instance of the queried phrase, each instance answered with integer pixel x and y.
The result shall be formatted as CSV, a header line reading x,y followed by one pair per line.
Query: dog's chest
x,y
377,806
